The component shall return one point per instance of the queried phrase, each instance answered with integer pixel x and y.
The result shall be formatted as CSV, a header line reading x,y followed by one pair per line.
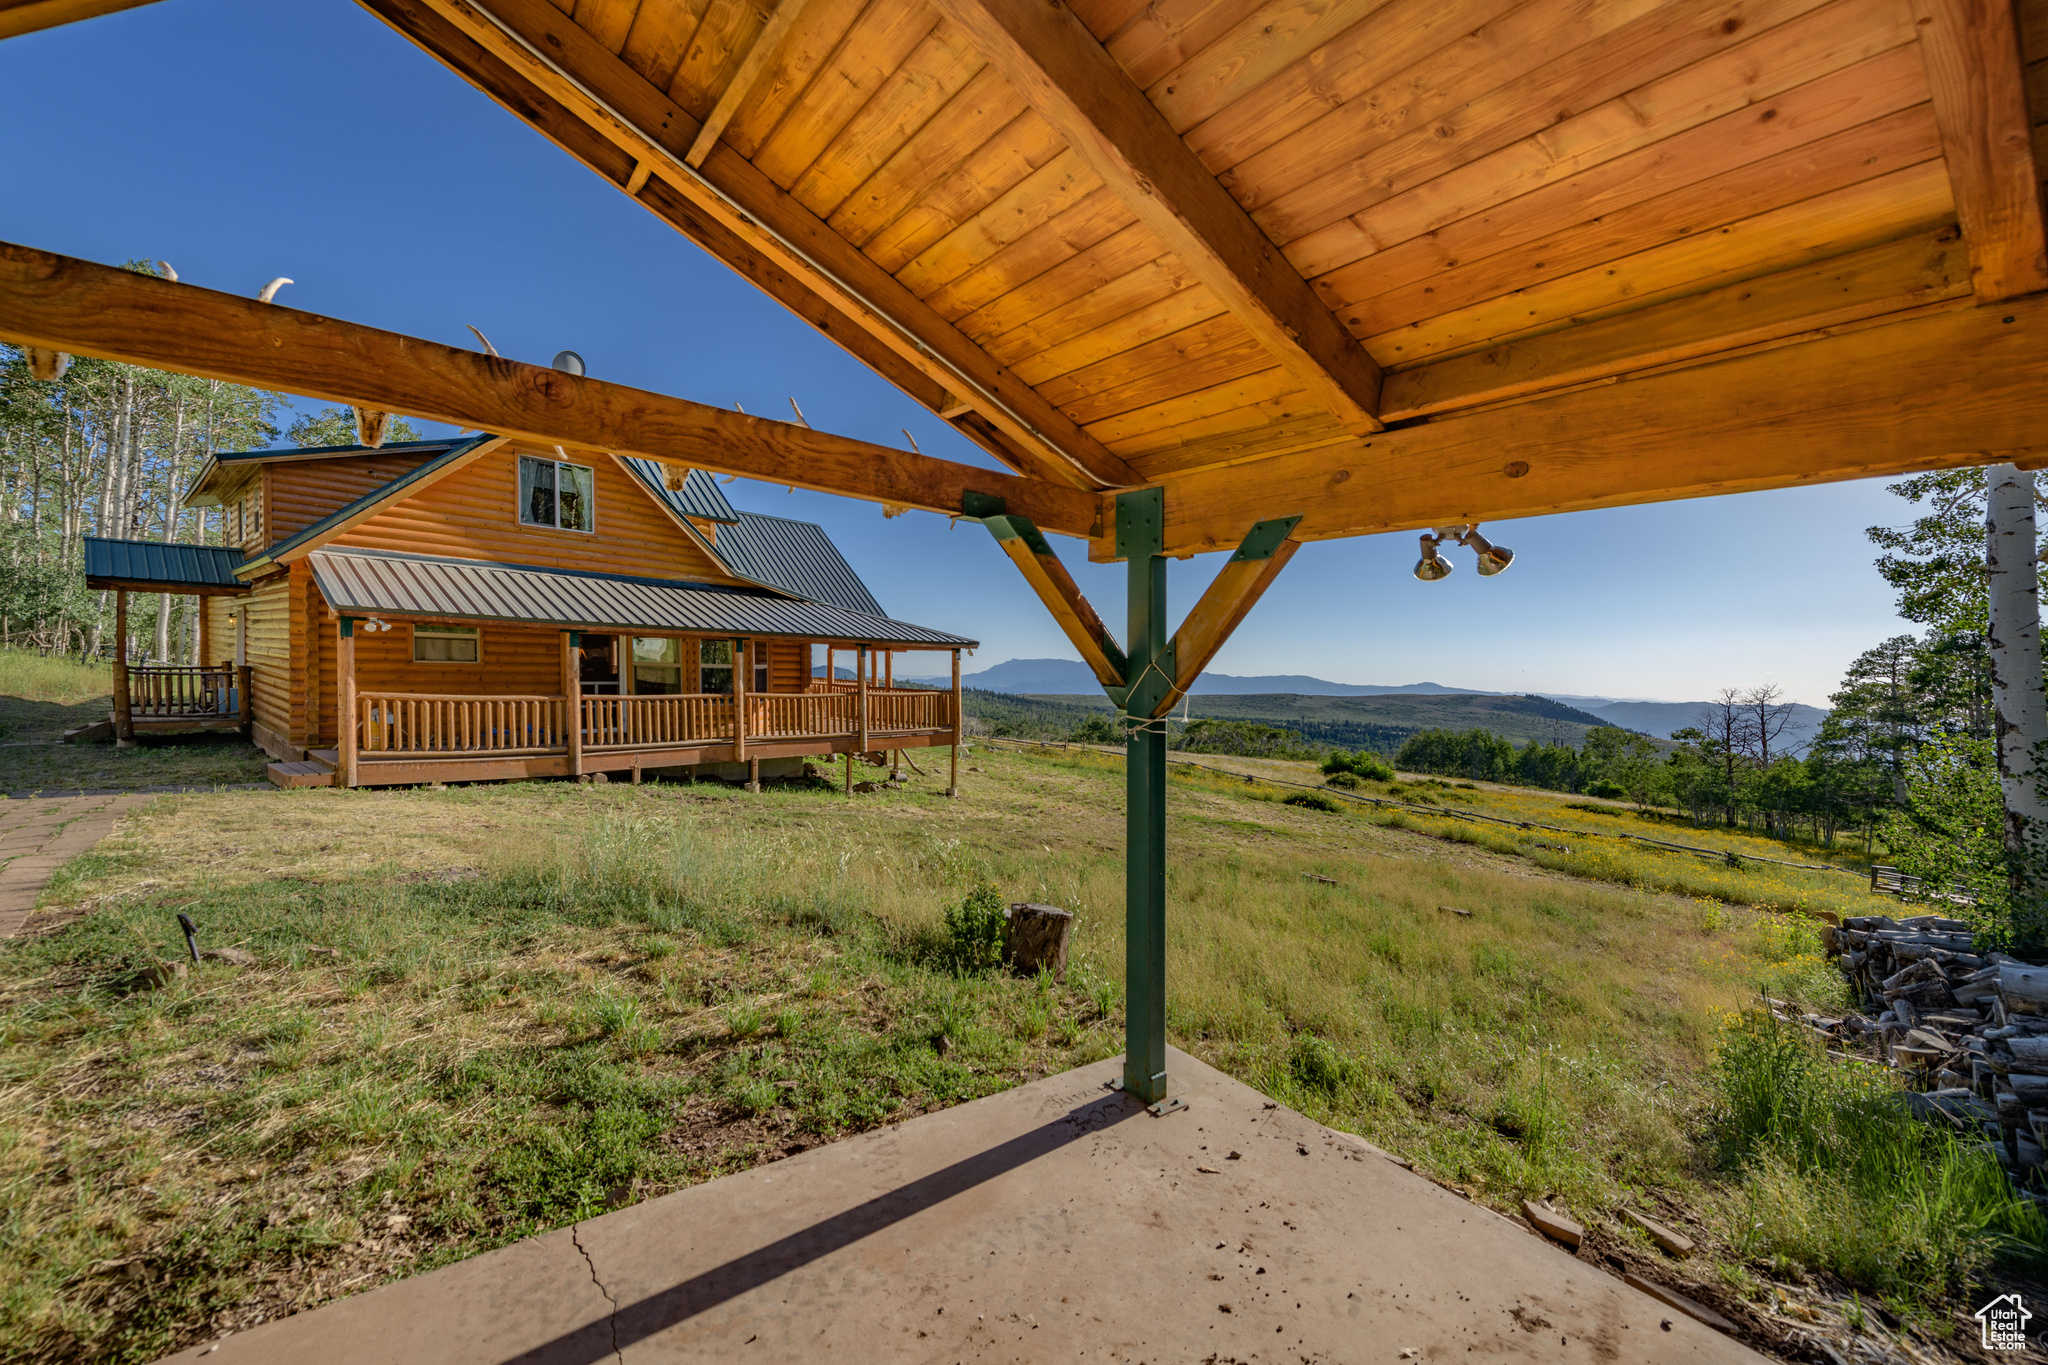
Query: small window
x,y
552,493
760,651
446,645
714,667
657,666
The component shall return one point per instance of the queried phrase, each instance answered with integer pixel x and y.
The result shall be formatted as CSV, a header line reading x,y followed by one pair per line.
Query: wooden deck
x,y
179,699
408,738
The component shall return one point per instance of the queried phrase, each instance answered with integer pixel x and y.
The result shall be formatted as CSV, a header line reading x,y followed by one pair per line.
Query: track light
x,y
1492,558
1431,567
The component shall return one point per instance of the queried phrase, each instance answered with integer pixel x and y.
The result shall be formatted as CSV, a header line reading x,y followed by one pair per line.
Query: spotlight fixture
x,y
1492,558
1431,567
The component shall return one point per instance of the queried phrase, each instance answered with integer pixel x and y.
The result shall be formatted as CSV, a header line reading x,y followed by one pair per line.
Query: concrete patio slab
x,y
38,835
1056,1221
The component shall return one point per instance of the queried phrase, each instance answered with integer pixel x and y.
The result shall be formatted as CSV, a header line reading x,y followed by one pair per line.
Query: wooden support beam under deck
x,y
1231,595
1051,58
1062,597
1938,390
1977,75
27,16
88,309
559,64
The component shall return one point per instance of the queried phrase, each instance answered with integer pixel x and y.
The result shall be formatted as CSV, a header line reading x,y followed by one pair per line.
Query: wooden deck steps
x,y
315,770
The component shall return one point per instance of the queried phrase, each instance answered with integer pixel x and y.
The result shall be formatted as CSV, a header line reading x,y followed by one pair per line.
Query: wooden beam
x,y
1977,76
77,306
1938,390
1062,597
1231,595
752,67
1925,268
556,58
1051,58
28,16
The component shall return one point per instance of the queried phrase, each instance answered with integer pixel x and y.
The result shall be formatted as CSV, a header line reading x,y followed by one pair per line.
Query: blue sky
x,y
244,139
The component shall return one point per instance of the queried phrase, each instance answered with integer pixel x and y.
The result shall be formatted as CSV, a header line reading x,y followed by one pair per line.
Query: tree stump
x,y
1036,939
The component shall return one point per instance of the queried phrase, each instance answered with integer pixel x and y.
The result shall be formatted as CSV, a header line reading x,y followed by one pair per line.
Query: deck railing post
x,y
244,680
860,719
345,721
1140,527
953,787
739,707
124,716
572,700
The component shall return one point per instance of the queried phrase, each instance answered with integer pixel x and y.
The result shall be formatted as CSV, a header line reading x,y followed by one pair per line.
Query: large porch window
x,y
446,645
554,493
714,667
657,666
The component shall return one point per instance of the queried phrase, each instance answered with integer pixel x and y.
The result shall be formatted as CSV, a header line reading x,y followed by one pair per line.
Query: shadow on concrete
x,y
635,1322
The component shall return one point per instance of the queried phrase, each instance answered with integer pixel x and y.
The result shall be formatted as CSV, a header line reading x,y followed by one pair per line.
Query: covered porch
x,y
645,677
159,698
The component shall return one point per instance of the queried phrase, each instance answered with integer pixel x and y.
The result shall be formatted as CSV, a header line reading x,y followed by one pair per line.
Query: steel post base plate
x,y
1171,1105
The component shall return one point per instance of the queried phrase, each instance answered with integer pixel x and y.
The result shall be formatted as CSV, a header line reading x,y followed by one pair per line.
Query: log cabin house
x,y
477,608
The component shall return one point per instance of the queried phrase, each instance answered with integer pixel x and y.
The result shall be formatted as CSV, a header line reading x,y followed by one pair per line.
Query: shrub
x,y
1608,791
974,930
1313,801
1098,730
1316,1064
1364,764
1346,780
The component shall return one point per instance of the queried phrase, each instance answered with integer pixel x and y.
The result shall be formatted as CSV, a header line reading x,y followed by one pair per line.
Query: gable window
x,y
446,645
556,493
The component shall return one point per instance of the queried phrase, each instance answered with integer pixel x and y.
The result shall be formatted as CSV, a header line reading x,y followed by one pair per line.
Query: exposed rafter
x,y
59,303
752,67
1961,386
557,58
1977,76
1052,59
26,16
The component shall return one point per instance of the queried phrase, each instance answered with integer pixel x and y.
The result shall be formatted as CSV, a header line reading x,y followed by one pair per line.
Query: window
x,y
552,493
657,666
760,649
446,645
714,666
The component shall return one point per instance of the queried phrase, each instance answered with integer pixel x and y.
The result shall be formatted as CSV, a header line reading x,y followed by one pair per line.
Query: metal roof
x,y
187,568
796,556
377,496
387,582
700,495
222,461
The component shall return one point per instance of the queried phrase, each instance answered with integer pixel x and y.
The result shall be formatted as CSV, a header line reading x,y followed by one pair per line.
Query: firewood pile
x,y
1967,1029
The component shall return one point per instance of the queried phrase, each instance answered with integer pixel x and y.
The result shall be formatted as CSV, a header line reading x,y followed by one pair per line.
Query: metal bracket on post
x,y
1172,1104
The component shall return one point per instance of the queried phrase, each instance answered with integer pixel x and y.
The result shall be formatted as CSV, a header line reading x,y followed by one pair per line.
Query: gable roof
x,y
700,495
152,565
795,556
342,518
225,467
385,582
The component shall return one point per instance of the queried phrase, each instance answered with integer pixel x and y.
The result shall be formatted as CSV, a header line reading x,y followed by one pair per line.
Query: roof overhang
x,y
156,566
389,584
226,473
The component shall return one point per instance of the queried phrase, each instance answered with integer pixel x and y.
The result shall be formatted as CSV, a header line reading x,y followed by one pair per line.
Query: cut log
x,y
1036,939
2030,1091
2024,989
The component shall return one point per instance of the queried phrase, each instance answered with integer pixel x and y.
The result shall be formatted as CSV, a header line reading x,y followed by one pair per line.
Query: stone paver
x,y
1054,1222
38,834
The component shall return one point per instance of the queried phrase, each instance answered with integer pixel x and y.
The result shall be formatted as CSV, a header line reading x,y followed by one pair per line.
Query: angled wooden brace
x,y
1260,557
1055,587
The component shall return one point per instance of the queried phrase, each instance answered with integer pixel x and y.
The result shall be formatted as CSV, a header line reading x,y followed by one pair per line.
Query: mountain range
x,y
1071,678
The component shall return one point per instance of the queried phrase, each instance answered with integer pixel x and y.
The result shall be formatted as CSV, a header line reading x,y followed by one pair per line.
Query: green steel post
x,y
1140,527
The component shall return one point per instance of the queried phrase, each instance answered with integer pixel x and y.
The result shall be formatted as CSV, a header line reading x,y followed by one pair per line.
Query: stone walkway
x,y
38,834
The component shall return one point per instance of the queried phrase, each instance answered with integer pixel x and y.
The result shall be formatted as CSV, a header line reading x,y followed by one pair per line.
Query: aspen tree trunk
x,y
2020,712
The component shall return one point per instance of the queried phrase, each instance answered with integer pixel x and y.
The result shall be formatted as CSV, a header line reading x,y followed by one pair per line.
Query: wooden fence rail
x,y
655,722
179,691
418,723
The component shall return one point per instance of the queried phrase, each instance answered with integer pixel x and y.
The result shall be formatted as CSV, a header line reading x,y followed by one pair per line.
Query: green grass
x,y
41,698
485,1012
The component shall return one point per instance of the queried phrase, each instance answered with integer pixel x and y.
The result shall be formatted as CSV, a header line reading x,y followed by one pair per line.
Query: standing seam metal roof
x,y
150,561
372,581
796,556
700,495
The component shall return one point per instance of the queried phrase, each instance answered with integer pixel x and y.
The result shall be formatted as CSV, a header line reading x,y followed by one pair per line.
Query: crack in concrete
x,y
577,1242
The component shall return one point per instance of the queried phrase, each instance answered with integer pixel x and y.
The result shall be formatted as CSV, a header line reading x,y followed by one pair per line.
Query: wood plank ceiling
x,y
1200,242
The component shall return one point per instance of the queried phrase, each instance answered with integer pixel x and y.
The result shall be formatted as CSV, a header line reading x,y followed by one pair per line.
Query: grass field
x,y
478,1013
41,698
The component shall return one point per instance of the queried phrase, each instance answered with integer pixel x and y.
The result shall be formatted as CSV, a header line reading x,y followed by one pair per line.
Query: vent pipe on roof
x,y
568,362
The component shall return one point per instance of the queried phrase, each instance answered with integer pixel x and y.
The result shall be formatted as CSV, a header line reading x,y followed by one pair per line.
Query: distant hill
x,y
1382,723
1660,718
1063,677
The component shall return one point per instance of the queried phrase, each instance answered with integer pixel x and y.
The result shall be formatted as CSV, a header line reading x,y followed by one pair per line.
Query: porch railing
x,y
180,692
906,709
653,722
392,723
